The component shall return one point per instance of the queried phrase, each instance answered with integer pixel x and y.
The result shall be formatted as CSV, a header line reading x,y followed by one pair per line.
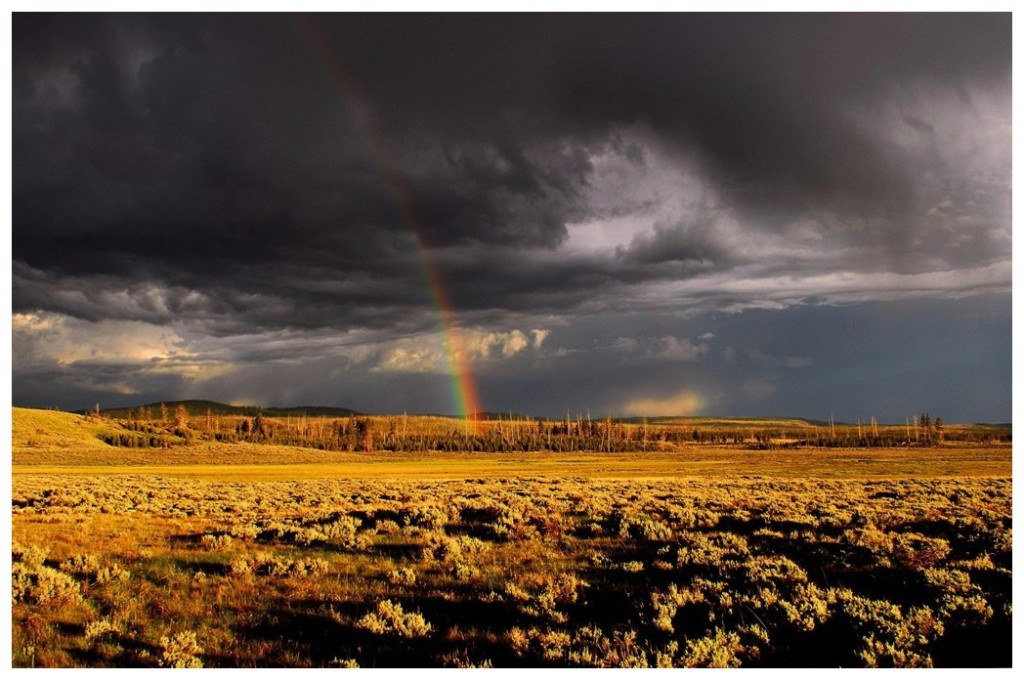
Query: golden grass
x,y
251,555
208,454
256,462
56,430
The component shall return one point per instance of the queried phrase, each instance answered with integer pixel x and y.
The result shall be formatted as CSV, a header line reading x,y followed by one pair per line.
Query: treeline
x,y
405,433
148,427
136,440
145,427
916,432
922,431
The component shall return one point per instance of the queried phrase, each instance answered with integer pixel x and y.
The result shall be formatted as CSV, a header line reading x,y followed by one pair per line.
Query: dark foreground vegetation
x,y
511,572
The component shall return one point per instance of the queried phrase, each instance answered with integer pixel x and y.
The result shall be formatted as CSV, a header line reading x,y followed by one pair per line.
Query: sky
x,y
688,214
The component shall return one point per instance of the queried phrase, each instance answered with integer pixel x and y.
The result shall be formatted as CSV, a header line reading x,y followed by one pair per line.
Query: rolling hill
x,y
197,407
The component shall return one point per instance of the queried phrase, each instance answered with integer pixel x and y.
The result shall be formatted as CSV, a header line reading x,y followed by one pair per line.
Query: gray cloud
x,y
279,187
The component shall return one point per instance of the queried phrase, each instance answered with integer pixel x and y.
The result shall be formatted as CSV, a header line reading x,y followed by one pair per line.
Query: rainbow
x,y
463,388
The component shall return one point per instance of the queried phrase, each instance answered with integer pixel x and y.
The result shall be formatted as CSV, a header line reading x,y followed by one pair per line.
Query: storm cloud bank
x,y
248,198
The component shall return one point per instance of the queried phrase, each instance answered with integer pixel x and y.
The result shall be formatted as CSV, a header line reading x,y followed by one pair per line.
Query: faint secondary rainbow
x,y
463,387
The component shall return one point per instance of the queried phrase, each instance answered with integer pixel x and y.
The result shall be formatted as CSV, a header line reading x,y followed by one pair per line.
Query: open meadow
x,y
202,549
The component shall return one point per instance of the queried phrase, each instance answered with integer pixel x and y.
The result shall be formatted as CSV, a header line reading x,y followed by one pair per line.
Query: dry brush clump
x,y
388,618
180,650
545,595
588,646
268,564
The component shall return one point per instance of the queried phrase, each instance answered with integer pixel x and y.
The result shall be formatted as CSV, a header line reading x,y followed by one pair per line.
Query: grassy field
x,y
257,555
730,463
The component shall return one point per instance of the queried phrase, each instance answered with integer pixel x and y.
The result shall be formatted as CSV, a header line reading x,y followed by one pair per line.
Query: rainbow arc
x,y
463,388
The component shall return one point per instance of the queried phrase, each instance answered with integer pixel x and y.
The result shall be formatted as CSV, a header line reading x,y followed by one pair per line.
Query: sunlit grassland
x,y
239,555
142,437
252,463
39,429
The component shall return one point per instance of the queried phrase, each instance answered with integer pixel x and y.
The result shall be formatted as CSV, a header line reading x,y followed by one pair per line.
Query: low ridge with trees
x,y
335,429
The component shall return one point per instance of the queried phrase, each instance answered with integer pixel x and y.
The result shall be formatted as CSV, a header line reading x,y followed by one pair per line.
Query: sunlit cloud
x,y
47,338
431,353
683,403
665,348
539,335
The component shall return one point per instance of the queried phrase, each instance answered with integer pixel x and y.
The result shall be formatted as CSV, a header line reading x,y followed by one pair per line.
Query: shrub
x,y
317,566
774,569
343,663
888,637
389,618
717,650
430,517
649,529
241,566
342,532
950,581
112,573
45,586
216,541
97,629
244,530
916,551
180,651
452,549
664,606
387,527
402,577
81,565
32,556
463,571
973,610
541,595
810,606
21,581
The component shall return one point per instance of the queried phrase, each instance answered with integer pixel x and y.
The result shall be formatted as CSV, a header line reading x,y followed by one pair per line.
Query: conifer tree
x,y
180,417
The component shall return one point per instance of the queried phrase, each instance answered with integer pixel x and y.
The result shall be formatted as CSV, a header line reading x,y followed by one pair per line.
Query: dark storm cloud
x,y
205,139
209,139
238,305
259,182
693,242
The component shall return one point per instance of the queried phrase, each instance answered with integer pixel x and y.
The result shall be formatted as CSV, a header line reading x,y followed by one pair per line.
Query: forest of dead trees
x,y
163,428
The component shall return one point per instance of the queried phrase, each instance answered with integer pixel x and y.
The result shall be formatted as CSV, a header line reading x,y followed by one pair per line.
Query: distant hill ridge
x,y
198,407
